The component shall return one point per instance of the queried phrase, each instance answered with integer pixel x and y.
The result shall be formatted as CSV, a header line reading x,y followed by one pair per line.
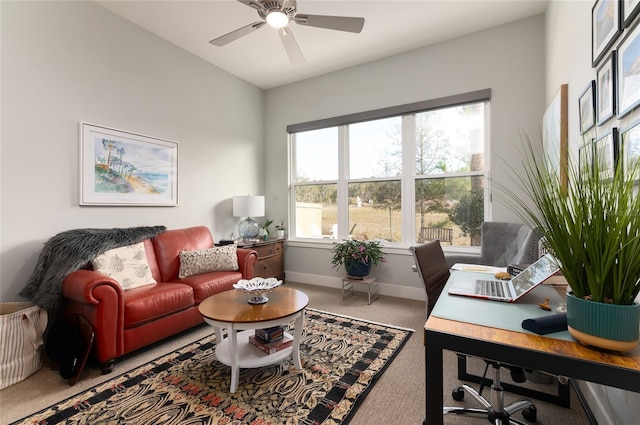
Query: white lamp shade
x,y
248,206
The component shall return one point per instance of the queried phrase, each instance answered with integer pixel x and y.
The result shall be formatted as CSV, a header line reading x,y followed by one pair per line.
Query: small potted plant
x,y
357,256
280,229
592,227
265,229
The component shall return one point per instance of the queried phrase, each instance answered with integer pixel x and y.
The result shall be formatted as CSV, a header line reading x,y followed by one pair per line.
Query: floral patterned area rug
x,y
342,359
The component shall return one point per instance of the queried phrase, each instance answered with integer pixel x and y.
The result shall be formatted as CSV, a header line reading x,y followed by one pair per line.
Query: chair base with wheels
x,y
495,411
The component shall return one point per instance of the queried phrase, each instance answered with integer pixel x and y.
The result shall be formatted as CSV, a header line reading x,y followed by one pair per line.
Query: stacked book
x,y
271,340
270,334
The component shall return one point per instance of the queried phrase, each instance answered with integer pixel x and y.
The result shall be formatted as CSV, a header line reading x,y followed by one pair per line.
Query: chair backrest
x,y
505,243
432,268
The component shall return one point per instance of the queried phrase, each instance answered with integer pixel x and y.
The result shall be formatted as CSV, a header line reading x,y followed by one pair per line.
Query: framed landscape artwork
x,y
606,92
605,150
555,134
587,108
631,148
605,28
630,9
585,158
119,168
629,72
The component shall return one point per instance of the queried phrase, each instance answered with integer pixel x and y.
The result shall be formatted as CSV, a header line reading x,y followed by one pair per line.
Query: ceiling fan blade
x,y
234,35
252,4
289,4
340,23
291,46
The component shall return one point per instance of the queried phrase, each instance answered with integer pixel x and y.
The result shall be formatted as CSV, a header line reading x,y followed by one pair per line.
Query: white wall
x,y
66,62
568,60
508,59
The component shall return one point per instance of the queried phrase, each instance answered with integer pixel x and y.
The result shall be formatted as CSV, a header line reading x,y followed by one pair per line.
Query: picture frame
x,y
605,28
630,9
606,92
630,148
587,107
120,168
555,134
628,56
585,158
606,151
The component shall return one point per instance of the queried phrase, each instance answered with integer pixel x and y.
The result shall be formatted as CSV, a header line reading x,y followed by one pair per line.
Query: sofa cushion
x,y
207,284
143,305
127,265
224,258
167,246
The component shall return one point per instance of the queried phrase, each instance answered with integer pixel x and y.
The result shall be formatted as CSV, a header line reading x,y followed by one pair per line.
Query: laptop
x,y
504,290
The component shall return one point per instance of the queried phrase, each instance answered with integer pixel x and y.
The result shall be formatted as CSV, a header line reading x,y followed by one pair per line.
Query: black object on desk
x,y
546,324
516,269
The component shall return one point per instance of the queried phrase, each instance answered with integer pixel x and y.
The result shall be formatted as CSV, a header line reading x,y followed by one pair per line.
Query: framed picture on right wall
x,y
605,151
628,72
586,107
605,28
606,81
630,138
630,9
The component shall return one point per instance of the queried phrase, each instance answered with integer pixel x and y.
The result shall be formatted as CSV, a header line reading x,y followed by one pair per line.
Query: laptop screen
x,y
534,274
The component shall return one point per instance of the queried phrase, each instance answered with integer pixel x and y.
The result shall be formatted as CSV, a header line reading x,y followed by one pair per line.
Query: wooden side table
x,y
372,287
270,261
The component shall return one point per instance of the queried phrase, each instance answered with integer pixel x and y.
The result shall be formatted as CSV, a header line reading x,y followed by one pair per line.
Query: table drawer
x,y
268,250
269,267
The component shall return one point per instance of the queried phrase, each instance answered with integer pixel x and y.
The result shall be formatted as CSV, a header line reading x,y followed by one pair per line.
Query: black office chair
x,y
433,270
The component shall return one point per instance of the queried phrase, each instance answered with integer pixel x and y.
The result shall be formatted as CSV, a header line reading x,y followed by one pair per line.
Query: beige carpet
x,y
397,398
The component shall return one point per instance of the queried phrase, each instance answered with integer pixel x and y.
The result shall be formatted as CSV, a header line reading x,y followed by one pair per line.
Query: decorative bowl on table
x,y
257,287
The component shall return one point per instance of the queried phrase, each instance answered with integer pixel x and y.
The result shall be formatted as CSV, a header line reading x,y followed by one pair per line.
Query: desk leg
x,y
433,382
297,336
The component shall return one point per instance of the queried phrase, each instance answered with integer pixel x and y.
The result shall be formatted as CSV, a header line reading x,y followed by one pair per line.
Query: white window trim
x,y
408,177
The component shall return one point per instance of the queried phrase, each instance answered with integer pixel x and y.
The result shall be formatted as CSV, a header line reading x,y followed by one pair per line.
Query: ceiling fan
x,y
278,14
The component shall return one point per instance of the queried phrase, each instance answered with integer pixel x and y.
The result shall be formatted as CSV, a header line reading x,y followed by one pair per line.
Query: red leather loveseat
x,y
124,321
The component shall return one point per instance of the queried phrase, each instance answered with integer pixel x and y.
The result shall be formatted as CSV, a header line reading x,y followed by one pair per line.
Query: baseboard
x,y
386,289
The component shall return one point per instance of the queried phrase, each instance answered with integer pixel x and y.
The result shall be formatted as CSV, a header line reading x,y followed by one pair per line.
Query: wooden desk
x,y
556,356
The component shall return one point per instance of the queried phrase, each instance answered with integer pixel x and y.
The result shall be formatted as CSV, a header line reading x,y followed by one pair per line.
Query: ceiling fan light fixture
x,y
277,18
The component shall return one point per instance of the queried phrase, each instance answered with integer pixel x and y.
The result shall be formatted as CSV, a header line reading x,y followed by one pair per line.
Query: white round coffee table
x,y
230,310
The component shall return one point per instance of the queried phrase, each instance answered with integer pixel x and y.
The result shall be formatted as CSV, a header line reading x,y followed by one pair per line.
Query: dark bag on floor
x,y
65,348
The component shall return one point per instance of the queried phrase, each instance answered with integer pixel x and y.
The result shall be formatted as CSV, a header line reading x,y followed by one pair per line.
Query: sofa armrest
x,y
80,286
100,300
246,259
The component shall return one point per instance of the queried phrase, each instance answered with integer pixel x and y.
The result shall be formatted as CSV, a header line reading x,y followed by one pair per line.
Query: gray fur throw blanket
x,y
71,250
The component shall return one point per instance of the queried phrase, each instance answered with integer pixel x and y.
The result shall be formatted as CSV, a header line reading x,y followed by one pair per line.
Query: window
x,y
404,174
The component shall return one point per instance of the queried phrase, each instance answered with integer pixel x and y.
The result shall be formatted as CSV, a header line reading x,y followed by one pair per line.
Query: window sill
x,y
395,249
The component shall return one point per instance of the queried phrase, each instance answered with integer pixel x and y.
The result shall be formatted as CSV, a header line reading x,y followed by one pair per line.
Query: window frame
x,y
408,175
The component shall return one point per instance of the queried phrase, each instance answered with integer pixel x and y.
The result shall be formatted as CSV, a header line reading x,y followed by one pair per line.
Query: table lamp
x,y
248,206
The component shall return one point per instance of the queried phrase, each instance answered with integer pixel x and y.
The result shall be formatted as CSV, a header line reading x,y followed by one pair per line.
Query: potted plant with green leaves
x,y
265,229
280,229
358,256
592,227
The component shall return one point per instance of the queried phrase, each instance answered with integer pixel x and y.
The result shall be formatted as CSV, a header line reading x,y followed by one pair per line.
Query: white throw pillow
x,y
127,265
223,258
